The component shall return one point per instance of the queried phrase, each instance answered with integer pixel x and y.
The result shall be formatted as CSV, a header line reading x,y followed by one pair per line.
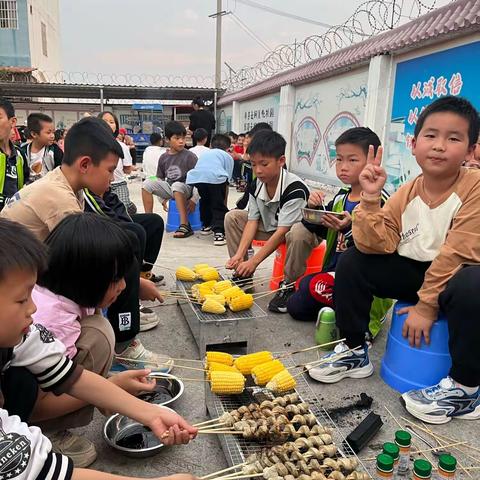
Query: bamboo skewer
x,y
241,476
205,423
265,294
310,348
214,474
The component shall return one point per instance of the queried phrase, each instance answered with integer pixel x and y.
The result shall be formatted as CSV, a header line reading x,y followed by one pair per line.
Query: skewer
x,y
214,426
251,475
311,348
222,432
265,294
214,474
206,422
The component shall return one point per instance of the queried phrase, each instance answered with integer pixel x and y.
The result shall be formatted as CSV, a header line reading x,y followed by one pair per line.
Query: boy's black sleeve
x,y
319,230
26,168
57,155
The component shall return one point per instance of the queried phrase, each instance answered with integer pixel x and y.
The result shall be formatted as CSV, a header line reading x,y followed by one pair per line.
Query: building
x,y
30,34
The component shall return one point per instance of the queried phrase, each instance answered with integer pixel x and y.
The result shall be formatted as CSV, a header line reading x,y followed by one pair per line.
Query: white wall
x,y
261,109
224,119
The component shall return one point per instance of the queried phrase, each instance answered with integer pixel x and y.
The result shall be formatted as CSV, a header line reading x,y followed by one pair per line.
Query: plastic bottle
x,y
422,470
326,330
447,466
250,253
384,467
404,441
390,448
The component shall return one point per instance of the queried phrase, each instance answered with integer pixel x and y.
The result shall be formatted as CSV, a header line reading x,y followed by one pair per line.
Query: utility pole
x,y
218,48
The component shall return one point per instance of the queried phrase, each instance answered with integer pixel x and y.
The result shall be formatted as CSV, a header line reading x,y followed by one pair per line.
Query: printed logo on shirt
x,y
46,336
173,173
15,453
124,322
410,234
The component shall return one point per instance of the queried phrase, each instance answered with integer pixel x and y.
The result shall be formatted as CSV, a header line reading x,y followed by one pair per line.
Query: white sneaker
x,y
148,319
136,356
80,449
351,364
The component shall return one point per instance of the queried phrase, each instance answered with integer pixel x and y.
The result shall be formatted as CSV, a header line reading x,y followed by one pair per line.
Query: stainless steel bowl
x,y
312,216
132,438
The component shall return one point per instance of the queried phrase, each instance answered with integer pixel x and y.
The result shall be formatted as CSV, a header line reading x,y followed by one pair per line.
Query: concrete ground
x,y
275,333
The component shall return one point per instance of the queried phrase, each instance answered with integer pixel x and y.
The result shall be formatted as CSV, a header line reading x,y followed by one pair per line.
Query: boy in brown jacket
x,y
422,247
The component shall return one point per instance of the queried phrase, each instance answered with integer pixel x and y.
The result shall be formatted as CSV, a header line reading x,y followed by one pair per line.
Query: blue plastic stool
x,y
173,217
409,368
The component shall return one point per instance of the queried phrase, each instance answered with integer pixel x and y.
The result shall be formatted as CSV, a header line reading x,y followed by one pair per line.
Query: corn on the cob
x,y
208,274
263,373
202,292
209,284
245,363
219,367
221,286
218,357
226,383
282,382
232,292
242,302
185,274
211,306
200,266
217,297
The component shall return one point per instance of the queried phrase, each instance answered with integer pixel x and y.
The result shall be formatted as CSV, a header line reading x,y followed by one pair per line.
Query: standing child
x,y
422,247
14,170
200,137
210,176
152,154
42,153
173,167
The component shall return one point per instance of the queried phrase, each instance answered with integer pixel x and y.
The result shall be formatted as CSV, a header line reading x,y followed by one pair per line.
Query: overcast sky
x,y
176,37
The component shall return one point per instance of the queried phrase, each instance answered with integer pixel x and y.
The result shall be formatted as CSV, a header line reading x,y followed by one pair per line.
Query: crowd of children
x,y
63,205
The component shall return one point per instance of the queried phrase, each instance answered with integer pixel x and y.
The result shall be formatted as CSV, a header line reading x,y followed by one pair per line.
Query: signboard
x,y
323,111
263,109
419,82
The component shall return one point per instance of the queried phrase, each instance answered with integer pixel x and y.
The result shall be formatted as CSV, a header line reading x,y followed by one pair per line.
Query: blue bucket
x,y
173,217
409,368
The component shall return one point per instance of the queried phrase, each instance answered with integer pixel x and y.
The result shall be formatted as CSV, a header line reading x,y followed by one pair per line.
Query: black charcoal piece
x,y
367,429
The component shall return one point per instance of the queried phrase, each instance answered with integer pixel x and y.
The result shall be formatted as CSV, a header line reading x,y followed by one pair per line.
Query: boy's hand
x,y
233,262
246,268
315,199
337,223
165,205
415,326
191,205
170,427
134,382
373,177
149,291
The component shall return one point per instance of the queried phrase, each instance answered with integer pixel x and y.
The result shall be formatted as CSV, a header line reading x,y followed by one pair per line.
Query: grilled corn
x,y
242,302
282,382
211,306
185,274
226,383
221,286
245,363
218,357
264,372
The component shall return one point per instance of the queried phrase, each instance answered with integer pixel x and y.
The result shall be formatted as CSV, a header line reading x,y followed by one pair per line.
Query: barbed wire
x,y
369,19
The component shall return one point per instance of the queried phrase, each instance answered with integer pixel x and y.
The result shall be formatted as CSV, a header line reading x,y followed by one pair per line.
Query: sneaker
x,y
152,277
136,356
219,239
206,231
148,319
80,449
278,303
442,402
352,364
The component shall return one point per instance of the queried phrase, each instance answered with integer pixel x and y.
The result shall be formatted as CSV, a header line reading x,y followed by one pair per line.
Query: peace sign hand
x,y
373,177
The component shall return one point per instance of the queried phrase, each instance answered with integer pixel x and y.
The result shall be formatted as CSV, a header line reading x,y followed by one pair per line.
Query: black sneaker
x,y
245,283
219,239
278,303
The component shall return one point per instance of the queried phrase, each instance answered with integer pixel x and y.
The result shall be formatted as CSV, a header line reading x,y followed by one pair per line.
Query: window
x,y
44,39
8,14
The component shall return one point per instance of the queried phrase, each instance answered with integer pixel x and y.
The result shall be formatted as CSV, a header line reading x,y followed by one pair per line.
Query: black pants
x,y
359,277
302,305
237,170
20,391
212,205
150,238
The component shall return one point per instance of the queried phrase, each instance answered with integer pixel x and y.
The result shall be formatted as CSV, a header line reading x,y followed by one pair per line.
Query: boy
x,y
276,199
200,137
210,176
201,118
34,353
42,153
172,170
152,154
422,247
91,155
14,171
316,290
237,151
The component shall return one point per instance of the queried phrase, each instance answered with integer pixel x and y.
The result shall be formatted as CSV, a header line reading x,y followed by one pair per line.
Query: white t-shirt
x,y
150,158
36,157
126,161
199,149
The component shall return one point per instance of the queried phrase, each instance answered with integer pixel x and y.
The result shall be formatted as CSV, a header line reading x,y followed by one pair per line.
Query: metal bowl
x,y
134,439
312,216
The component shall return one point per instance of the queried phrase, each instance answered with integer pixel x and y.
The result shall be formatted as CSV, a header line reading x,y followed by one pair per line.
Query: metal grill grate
x,y
237,449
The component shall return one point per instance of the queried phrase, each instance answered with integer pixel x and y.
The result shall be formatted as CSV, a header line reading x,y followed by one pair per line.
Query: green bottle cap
x,y
447,463
326,315
403,438
422,468
384,462
391,449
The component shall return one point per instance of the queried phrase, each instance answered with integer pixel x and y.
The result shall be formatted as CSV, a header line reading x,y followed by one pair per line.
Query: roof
x,y
453,20
17,69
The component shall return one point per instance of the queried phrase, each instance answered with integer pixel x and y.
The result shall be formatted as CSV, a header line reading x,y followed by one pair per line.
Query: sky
x,y
176,37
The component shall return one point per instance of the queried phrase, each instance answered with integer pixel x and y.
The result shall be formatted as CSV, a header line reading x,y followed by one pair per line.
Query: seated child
x,y
200,137
316,290
173,167
474,159
276,199
42,153
16,171
423,247
152,154
210,176
32,357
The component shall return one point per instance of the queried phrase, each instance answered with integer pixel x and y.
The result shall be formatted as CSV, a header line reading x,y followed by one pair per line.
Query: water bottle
x,y
326,330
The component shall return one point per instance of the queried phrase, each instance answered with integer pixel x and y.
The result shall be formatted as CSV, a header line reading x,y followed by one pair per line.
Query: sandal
x,y
183,231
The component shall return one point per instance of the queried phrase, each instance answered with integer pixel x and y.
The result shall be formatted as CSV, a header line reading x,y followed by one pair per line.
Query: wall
x,y
261,109
14,44
323,110
224,119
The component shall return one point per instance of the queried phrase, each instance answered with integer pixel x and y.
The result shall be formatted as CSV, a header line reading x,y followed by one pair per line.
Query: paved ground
x,y
275,333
